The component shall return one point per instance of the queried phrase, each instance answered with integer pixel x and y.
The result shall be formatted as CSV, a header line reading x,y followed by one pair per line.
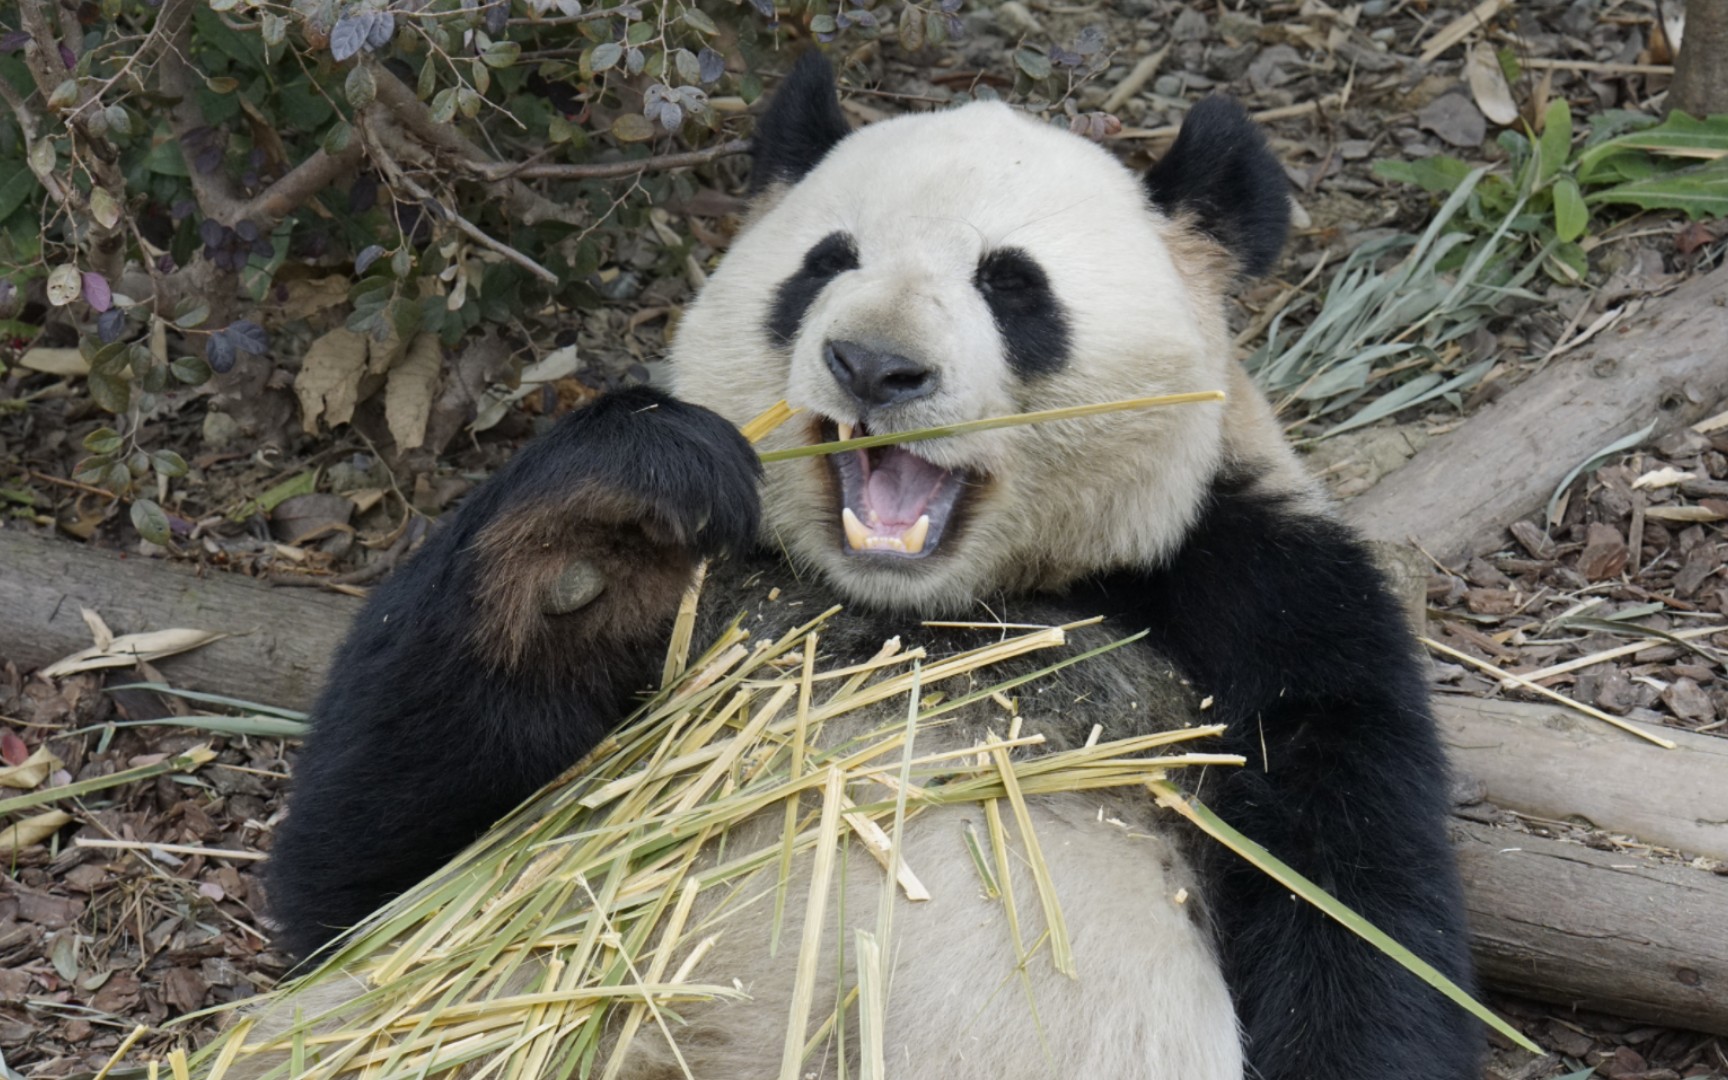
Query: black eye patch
x,y
1032,322
832,256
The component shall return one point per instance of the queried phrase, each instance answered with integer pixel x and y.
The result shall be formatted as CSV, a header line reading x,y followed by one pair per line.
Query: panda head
x,y
951,266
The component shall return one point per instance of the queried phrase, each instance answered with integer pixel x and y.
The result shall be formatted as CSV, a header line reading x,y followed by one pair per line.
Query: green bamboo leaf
x,y
186,762
1275,868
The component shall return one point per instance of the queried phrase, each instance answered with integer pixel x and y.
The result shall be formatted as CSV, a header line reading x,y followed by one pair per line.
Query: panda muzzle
x,y
892,502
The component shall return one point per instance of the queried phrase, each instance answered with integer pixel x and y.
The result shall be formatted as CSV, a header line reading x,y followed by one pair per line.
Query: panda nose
x,y
875,378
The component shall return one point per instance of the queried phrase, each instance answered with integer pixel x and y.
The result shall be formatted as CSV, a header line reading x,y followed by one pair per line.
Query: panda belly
x,y
1148,1000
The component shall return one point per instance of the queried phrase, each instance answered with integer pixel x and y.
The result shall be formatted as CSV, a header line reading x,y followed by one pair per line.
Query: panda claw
x,y
577,586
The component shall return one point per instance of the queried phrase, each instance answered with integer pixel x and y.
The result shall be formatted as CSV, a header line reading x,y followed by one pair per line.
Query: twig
x,y
301,183
607,170
27,123
473,231
1601,67
1534,688
88,489
1612,654
169,849
1137,78
1459,29
1282,112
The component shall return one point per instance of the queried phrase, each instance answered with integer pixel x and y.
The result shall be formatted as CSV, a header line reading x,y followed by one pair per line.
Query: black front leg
x,y
1282,617
504,649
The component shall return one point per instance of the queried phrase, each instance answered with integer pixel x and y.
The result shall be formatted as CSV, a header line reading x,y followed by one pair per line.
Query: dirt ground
x,y
96,937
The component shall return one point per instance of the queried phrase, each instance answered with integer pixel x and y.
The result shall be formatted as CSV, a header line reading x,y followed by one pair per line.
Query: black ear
x,y
1220,172
802,123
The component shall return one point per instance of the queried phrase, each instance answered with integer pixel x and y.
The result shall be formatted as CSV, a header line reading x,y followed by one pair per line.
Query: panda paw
x,y
642,459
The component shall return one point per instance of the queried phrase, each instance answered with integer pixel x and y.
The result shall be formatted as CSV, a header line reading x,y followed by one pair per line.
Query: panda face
x,y
953,266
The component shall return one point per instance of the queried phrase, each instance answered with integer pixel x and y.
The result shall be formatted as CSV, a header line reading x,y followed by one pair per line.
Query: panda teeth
x,y
843,430
912,540
859,538
856,534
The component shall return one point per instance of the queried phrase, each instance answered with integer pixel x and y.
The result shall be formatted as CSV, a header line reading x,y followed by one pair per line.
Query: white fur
x,y
925,196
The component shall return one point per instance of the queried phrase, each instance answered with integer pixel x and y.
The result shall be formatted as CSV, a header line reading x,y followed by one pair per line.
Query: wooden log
x,y
1457,495
1606,931
1554,763
281,642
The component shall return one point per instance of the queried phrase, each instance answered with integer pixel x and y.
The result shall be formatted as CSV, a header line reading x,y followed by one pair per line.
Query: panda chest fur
x,y
975,990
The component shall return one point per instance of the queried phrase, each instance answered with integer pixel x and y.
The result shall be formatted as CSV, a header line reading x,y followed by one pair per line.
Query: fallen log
x,y
1608,931
1550,762
1459,492
279,644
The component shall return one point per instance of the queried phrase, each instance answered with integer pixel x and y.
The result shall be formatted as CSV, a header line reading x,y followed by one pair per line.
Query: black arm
x,y
504,649
1282,617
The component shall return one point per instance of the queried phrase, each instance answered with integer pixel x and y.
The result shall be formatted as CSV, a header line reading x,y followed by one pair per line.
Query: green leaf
x,y
1035,65
501,54
361,88
428,78
43,157
191,370
274,28
17,183
1679,136
1440,174
191,312
164,157
1698,192
444,105
1555,145
119,120
911,28
168,463
104,208
110,392
221,84
468,102
823,24
1571,216
632,127
700,21
605,57
64,96
339,136
640,33
104,440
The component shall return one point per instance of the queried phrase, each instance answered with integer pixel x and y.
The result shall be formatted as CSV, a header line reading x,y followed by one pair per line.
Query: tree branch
x,y
608,170
292,190
523,202
439,210
215,195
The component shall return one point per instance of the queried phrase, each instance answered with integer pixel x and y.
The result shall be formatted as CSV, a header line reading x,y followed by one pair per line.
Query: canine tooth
x,y
857,536
844,430
913,538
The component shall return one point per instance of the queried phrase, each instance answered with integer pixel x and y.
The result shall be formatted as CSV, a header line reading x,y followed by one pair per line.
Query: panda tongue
x,y
901,486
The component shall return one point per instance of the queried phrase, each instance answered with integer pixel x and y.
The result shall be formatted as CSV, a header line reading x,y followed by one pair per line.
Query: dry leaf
x,y
1460,28
408,394
557,364
128,649
32,831
311,295
99,631
55,362
329,379
1683,513
31,771
1488,85
1666,476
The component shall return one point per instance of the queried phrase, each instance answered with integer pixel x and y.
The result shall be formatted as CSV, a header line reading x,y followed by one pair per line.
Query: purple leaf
x,y
212,232
1090,40
110,324
363,196
13,41
246,230
219,352
68,57
367,257
497,17
764,8
208,161
349,34
383,29
710,65
181,210
248,336
96,291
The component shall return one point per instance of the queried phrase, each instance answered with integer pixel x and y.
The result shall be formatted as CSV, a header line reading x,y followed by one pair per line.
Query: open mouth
x,y
892,502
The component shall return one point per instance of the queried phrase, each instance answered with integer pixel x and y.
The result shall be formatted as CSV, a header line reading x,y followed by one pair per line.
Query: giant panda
x,y
924,270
